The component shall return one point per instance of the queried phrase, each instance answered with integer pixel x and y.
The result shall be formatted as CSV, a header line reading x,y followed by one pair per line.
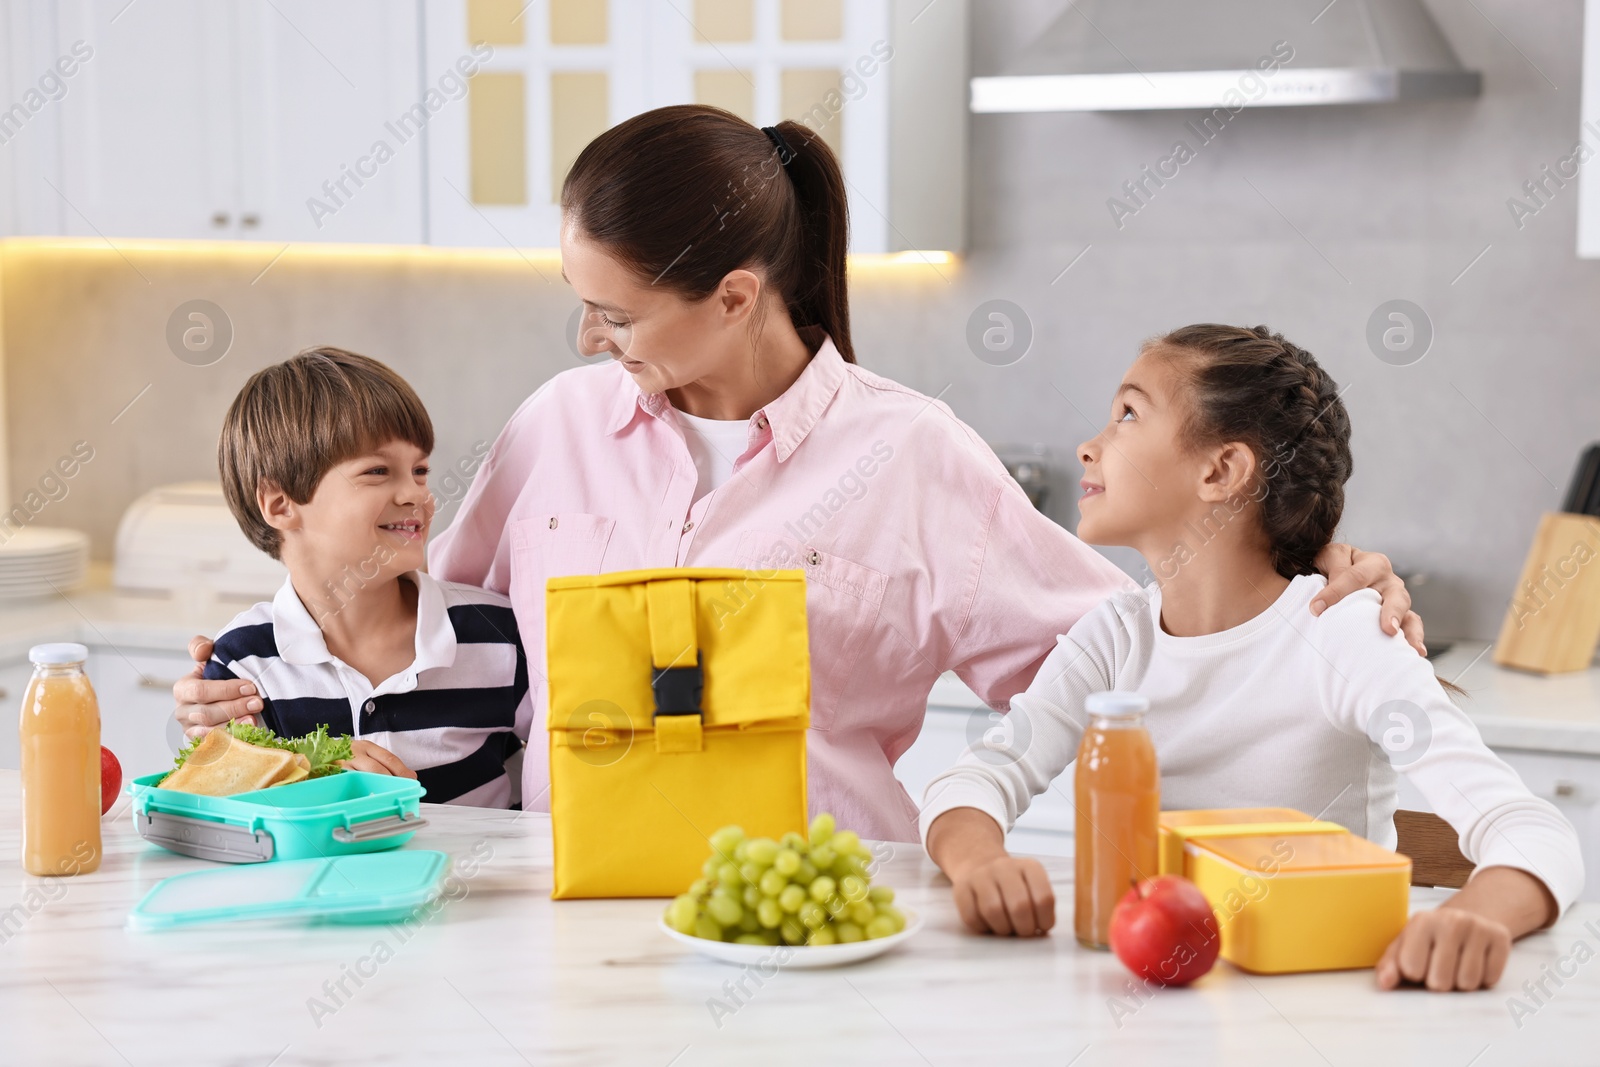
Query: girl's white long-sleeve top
x,y
1320,713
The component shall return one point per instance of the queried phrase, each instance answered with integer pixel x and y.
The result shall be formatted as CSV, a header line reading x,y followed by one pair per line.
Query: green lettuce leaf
x,y
320,748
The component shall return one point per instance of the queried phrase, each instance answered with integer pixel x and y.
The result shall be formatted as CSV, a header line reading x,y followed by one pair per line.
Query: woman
x,y
732,427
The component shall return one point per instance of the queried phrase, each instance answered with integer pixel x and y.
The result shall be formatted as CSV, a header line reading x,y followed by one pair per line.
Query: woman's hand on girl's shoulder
x,y
1350,570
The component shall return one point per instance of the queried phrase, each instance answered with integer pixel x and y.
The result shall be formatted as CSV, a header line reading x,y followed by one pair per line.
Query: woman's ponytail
x,y
820,297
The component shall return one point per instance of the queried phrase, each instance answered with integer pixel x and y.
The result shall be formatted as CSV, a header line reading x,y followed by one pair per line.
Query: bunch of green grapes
x,y
793,891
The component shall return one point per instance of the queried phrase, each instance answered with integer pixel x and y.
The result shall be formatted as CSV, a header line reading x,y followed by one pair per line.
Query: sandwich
x,y
244,758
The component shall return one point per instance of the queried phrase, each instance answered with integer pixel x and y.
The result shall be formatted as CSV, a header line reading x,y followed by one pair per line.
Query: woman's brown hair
x,y
685,194
1251,385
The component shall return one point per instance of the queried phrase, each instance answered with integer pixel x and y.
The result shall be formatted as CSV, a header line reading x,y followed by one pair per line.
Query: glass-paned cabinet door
x,y
546,77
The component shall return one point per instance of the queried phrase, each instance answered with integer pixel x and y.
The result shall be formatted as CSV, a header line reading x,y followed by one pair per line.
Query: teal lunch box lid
x,y
378,888
334,815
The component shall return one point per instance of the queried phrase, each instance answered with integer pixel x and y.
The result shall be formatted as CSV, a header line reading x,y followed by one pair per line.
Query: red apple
x,y
110,779
1164,931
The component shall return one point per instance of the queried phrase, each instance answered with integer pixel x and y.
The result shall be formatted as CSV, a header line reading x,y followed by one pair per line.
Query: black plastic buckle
x,y
678,689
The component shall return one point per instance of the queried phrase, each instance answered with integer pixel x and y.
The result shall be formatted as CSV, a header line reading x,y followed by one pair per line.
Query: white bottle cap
x,y
58,653
1116,704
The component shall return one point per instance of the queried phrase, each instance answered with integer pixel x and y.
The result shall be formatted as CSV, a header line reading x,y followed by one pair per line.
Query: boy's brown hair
x,y
294,421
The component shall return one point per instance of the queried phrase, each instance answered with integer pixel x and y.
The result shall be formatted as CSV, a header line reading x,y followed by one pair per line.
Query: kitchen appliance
x,y
181,538
1030,466
334,815
42,561
1151,55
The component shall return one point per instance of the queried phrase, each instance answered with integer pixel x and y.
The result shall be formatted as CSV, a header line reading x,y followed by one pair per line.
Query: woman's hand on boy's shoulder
x,y
1351,570
203,703
375,759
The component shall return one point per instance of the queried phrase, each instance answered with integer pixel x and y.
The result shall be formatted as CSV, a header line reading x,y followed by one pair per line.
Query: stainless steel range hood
x,y
1153,55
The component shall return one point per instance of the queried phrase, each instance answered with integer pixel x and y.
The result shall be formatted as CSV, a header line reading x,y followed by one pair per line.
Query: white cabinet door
x,y
275,120
134,690
150,126
32,87
1572,784
554,76
1046,828
333,148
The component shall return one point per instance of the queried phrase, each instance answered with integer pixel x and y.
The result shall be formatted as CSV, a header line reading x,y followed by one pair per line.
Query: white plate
x,y
800,958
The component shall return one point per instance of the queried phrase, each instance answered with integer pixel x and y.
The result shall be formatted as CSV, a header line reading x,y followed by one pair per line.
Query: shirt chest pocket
x,y
843,599
550,546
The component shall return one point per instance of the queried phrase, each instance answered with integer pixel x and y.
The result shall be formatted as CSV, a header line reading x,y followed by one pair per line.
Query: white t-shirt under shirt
x,y
1320,713
715,445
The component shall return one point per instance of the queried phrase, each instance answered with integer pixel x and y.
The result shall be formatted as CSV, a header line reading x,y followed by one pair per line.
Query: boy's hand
x,y
375,759
1445,949
204,703
1006,895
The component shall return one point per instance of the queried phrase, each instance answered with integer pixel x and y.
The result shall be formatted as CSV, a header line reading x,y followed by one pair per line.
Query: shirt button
x,y
812,558
553,522
688,526
371,706
761,423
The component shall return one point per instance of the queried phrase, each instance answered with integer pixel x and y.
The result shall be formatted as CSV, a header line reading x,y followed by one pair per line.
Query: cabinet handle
x,y
5,694
250,221
146,682
1565,788
219,219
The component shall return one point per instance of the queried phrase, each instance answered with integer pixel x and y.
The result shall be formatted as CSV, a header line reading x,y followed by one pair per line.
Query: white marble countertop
x,y
1512,709
503,975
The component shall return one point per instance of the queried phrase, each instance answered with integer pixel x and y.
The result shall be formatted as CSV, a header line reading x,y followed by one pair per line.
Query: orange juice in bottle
x,y
60,735
1119,801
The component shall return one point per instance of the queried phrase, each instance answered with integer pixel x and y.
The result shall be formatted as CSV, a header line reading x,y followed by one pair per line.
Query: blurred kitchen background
x,y
178,163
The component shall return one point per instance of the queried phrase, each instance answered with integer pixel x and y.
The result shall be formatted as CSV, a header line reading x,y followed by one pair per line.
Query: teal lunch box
x,y
335,815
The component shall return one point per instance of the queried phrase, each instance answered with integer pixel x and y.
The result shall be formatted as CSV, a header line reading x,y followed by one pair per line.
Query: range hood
x,y
1154,55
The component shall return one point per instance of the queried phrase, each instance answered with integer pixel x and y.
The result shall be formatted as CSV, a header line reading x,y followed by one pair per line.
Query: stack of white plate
x,y
40,561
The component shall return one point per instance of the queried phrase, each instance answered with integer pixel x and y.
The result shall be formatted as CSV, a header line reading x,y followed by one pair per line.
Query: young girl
x,y
1224,465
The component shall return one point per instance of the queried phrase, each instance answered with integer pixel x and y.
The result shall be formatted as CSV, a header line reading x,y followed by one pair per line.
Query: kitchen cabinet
x,y
15,671
1046,828
255,119
882,81
134,690
30,90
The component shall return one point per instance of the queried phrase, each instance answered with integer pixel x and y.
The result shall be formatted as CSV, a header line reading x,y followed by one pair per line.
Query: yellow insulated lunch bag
x,y
679,702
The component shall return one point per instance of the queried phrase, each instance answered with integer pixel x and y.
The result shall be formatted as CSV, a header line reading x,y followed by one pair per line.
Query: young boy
x,y
324,463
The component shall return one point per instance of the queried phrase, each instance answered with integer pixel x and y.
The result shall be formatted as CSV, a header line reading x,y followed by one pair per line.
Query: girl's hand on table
x,y
375,759
1007,895
1446,949
206,703
1465,942
995,891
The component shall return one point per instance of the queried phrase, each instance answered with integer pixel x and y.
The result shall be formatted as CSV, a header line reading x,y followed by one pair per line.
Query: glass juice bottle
x,y
1118,803
60,734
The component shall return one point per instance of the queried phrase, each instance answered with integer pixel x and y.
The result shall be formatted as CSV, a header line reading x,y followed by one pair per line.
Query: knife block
x,y
1553,621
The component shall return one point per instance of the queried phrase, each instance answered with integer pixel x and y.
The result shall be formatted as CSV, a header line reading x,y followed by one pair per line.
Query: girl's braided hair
x,y
1251,385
